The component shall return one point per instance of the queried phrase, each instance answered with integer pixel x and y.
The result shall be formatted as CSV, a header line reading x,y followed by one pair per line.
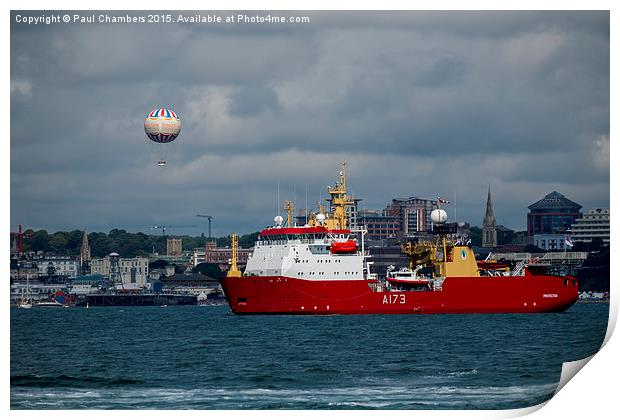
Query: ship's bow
x,y
229,290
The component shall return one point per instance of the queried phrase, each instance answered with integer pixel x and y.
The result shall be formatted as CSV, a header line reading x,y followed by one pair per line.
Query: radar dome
x,y
439,216
278,220
320,218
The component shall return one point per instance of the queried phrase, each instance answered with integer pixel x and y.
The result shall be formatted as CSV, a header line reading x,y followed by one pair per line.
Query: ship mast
x,y
233,271
289,207
340,200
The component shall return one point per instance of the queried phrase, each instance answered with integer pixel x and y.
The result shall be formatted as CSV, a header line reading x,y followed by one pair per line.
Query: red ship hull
x,y
287,295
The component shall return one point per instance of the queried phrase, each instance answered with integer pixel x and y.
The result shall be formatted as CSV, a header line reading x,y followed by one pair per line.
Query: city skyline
x,y
418,103
201,229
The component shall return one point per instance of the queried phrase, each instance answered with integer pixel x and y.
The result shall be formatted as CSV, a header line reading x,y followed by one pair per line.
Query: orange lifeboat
x,y
347,247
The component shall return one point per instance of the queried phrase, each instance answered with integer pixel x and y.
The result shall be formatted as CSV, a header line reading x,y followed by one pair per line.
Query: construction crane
x,y
19,235
164,227
206,216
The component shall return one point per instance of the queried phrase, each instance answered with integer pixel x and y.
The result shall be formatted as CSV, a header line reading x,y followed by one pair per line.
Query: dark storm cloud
x,y
251,100
419,103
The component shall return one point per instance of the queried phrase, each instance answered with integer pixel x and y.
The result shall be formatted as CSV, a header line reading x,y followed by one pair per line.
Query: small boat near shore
x,y
49,304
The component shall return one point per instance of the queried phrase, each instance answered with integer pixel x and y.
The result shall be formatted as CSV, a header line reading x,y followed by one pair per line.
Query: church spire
x,y
489,232
489,217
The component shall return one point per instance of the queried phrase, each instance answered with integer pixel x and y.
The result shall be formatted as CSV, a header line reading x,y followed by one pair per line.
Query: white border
x,y
591,394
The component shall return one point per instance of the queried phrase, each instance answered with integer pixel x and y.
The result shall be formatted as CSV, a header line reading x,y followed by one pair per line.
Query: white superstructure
x,y
311,253
323,249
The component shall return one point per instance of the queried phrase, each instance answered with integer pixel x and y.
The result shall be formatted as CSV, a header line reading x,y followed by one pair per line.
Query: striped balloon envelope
x,y
162,125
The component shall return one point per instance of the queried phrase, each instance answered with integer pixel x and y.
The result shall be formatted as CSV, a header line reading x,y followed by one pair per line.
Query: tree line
x,y
125,243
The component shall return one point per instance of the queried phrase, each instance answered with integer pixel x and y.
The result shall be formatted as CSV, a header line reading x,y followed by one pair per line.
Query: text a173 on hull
x,y
323,268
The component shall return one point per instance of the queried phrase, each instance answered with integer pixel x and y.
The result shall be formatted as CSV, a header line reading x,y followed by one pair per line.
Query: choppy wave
x,y
473,371
206,358
61,381
396,397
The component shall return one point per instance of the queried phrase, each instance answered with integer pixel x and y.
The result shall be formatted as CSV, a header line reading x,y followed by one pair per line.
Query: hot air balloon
x,y
162,125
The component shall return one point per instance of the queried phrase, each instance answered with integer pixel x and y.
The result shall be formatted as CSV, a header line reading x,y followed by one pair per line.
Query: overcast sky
x,y
417,103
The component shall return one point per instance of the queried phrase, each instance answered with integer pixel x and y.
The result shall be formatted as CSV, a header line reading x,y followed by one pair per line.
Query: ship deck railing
x,y
558,262
548,256
296,240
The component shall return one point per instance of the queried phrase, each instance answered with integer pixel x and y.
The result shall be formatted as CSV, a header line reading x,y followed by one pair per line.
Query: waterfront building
x,y
83,285
157,273
222,256
521,238
57,265
198,256
23,271
191,283
378,225
413,215
594,224
183,259
551,241
133,271
489,231
174,246
35,291
505,235
554,214
160,273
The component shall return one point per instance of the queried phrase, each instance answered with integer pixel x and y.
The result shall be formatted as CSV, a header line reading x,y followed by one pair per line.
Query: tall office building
x,y
553,214
594,224
413,215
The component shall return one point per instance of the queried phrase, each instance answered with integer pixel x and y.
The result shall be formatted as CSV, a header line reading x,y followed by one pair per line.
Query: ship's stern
x,y
572,294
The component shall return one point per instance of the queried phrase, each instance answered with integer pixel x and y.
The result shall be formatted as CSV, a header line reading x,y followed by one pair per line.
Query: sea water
x,y
204,357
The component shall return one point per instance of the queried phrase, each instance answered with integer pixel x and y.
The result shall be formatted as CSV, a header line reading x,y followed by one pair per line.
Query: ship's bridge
x,y
305,234
309,252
